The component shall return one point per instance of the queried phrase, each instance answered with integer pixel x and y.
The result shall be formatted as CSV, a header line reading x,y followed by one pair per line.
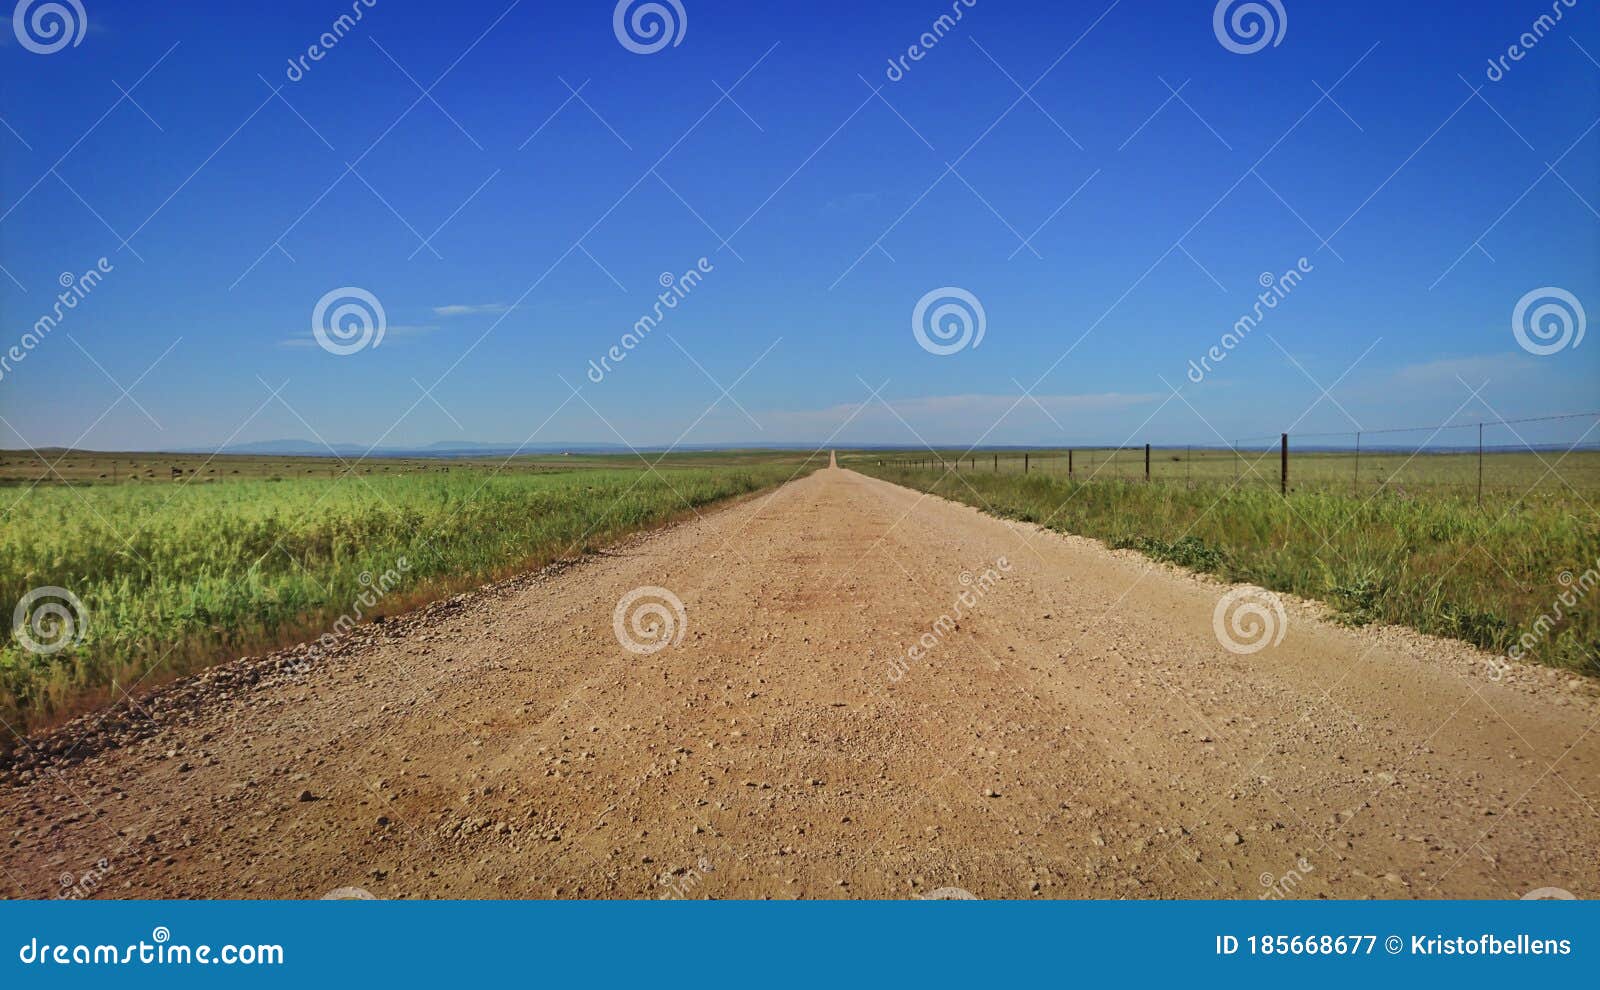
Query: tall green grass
x,y
1504,473
174,577
1436,562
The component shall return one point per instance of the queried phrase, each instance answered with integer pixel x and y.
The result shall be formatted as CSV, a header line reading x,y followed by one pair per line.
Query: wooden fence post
x,y
1283,483
1024,463
1147,463
1480,465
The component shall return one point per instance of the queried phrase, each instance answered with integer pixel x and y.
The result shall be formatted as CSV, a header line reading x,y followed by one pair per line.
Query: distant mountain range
x,y
456,448
445,448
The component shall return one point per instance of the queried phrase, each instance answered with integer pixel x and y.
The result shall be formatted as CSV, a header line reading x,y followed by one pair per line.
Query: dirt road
x,y
1074,728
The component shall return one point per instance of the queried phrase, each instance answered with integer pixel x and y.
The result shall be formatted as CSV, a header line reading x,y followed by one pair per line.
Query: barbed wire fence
x,y
1482,458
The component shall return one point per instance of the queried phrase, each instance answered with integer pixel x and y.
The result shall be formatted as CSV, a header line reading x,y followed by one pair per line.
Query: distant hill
x,y
447,448
466,448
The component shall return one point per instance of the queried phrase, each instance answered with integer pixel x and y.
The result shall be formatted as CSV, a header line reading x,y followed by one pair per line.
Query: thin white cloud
x,y
474,309
1473,369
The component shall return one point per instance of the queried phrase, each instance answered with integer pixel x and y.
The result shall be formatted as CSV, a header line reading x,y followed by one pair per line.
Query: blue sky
x,y
1111,231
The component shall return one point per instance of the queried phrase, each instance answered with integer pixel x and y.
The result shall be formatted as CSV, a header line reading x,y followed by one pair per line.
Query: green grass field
x,y
1427,556
1505,473
174,576
49,466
